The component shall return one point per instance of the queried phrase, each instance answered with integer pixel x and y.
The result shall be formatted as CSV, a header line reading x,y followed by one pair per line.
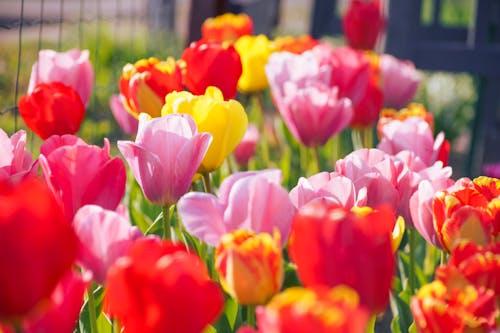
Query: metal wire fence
x,y
114,31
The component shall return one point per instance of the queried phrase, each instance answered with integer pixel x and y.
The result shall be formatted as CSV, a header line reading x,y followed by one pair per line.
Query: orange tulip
x,y
295,45
250,266
319,310
468,210
227,27
145,84
412,110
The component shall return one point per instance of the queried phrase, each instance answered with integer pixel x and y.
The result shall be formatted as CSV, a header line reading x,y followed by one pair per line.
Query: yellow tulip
x,y
250,266
254,52
225,120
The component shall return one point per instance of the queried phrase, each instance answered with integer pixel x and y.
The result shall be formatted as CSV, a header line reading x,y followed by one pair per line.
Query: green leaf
x,y
104,325
84,320
231,312
210,329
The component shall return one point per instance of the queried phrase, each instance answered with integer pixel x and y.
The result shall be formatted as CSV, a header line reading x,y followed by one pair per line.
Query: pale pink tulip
x,y
400,81
165,156
376,171
71,68
16,161
80,174
63,307
105,236
413,134
329,186
251,200
311,109
421,211
127,122
246,148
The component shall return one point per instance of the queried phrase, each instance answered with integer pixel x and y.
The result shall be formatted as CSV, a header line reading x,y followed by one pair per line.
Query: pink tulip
x,y
16,161
330,186
63,307
104,236
80,174
165,156
400,81
246,148
311,109
127,122
413,134
72,68
252,200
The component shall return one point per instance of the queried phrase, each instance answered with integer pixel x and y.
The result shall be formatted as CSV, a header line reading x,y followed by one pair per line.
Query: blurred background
x,y
461,85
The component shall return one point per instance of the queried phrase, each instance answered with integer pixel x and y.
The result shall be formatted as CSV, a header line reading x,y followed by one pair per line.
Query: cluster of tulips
x,y
236,251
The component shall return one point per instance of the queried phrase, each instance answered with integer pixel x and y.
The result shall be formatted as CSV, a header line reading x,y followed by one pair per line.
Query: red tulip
x,y
363,23
38,247
468,210
332,246
474,264
161,287
52,108
442,308
207,64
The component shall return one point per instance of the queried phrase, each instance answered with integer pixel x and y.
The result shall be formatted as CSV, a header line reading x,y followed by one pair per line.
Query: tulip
x,y
38,247
295,45
312,111
127,122
145,84
254,52
161,287
400,81
71,68
165,156
440,308
80,174
16,162
356,78
333,246
468,210
226,27
52,108
412,110
251,200
104,237
363,23
207,64
375,172
63,307
319,310
421,209
250,266
245,150
328,186
413,134
225,120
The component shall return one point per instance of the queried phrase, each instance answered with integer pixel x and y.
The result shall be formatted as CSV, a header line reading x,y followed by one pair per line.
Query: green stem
x,y
357,141
251,316
413,241
264,147
370,326
206,183
92,309
317,158
367,137
167,233
335,148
